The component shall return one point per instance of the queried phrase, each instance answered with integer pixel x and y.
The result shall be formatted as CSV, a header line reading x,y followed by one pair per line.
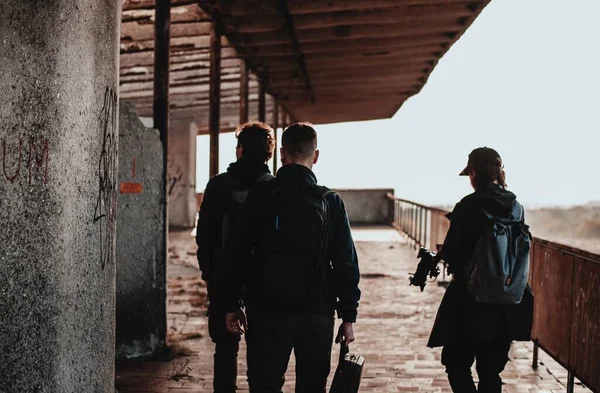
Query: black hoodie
x,y
460,318
240,174
467,222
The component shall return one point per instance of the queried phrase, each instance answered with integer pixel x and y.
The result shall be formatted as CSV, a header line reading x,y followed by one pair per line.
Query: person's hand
x,y
345,333
236,322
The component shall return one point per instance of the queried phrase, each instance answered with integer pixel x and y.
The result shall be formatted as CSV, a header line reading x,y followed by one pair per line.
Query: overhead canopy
x,y
325,61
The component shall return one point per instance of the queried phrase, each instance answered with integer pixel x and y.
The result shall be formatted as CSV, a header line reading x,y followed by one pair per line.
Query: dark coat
x,y
460,318
241,174
342,278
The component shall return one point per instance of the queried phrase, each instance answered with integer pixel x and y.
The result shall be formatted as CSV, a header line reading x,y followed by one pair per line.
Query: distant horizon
x,y
227,156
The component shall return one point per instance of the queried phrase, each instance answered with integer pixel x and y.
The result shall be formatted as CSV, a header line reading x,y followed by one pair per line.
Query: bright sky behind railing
x,y
524,79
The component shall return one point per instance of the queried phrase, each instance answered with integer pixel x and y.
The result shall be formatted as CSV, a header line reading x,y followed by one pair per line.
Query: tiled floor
x,y
392,331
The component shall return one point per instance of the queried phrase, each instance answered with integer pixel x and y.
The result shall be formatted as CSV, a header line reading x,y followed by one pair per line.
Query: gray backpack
x,y
498,270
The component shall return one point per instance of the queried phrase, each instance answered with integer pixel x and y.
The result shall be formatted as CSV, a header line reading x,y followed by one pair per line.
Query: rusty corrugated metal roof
x,y
326,61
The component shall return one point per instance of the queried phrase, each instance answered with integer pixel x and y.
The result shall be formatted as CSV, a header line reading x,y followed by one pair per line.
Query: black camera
x,y
428,267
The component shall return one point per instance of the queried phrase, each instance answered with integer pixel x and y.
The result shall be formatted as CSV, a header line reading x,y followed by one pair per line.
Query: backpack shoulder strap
x,y
267,176
262,193
486,214
324,191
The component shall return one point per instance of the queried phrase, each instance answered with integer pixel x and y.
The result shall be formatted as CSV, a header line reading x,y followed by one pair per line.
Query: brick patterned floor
x,y
392,331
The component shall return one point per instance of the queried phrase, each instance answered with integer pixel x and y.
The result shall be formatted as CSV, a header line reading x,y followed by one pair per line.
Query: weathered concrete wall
x,y
59,134
182,174
368,206
141,234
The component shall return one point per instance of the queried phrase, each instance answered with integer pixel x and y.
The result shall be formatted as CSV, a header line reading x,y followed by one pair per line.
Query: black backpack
x,y
290,254
233,206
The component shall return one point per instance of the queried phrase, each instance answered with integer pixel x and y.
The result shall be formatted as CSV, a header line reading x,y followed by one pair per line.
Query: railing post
x,y
414,226
403,220
399,214
411,221
427,237
406,219
419,226
421,230
402,217
570,382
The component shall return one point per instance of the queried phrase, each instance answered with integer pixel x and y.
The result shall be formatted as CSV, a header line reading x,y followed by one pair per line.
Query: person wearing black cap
x,y
467,329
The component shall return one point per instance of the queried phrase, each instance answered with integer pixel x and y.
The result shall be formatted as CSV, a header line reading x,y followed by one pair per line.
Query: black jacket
x,y
342,280
460,318
242,173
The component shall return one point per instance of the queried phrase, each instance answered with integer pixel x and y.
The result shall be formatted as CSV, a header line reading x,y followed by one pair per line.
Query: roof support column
x,y
58,220
275,129
243,92
161,122
287,118
262,98
215,99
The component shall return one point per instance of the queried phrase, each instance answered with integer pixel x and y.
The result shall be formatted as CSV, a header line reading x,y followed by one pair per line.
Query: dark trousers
x,y
491,359
270,341
227,346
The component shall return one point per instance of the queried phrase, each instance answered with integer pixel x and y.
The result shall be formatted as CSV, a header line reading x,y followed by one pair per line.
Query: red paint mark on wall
x,y
15,176
130,188
42,158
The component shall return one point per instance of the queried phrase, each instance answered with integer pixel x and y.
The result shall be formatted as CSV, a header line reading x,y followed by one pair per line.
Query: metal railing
x,y
425,226
566,320
566,285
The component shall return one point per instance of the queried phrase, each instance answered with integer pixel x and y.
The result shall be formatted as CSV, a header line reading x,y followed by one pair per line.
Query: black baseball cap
x,y
482,157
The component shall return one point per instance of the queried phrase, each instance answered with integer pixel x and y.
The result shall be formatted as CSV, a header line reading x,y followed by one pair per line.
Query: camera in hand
x,y
428,267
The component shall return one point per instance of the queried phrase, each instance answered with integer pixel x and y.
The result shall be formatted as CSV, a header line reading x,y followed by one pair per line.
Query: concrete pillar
x,y
182,174
58,137
141,257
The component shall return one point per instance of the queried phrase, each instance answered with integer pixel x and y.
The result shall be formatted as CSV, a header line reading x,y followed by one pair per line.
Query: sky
x,y
524,79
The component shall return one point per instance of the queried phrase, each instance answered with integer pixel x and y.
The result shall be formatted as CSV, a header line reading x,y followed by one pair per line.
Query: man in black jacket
x,y
467,329
272,257
219,210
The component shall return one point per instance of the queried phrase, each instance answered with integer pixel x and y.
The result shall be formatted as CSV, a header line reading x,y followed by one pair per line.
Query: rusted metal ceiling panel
x,y
360,59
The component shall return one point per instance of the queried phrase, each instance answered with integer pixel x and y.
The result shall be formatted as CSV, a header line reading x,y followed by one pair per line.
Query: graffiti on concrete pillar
x,y
106,203
175,173
39,155
13,169
15,175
